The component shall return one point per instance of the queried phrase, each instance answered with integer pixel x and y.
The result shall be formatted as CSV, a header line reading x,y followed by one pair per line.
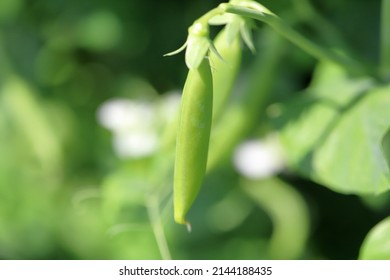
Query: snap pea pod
x,y
243,111
192,142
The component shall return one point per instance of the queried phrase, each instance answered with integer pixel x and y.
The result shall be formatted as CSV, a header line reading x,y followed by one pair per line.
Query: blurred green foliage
x,y
70,190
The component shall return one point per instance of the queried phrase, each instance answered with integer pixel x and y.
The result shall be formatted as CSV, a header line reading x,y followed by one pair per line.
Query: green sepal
x,y
246,36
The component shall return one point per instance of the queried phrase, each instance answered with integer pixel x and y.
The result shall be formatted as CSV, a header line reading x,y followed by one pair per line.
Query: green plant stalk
x,y
158,230
210,14
385,39
243,112
308,46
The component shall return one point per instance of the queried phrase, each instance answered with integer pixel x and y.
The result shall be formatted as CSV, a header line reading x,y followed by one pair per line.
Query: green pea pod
x,y
241,114
224,71
192,139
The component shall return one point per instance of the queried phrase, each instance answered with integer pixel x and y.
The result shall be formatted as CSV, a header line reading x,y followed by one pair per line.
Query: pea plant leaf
x,y
333,132
377,243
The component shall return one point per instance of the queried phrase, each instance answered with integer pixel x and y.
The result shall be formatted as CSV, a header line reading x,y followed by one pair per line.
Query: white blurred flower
x,y
257,159
136,124
135,144
133,124
170,105
119,114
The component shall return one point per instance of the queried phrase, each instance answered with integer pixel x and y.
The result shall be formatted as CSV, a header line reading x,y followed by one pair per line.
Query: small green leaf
x,y
376,245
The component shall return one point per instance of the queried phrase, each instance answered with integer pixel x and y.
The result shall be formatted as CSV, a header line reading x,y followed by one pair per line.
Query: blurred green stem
x,y
307,13
326,30
288,212
385,38
5,68
158,230
285,30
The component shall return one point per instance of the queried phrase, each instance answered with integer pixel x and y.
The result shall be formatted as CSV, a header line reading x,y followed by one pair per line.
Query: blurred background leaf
x,y
376,245
333,133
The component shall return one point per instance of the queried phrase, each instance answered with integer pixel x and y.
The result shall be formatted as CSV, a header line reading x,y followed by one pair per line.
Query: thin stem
x,y
285,30
385,38
158,230
210,14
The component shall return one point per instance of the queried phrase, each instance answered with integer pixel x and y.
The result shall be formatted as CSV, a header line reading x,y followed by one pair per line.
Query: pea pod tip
x,y
185,223
189,227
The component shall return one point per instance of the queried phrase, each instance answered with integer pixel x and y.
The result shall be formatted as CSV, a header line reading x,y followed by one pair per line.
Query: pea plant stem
x,y
385,38
158,230
286,31
210,14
